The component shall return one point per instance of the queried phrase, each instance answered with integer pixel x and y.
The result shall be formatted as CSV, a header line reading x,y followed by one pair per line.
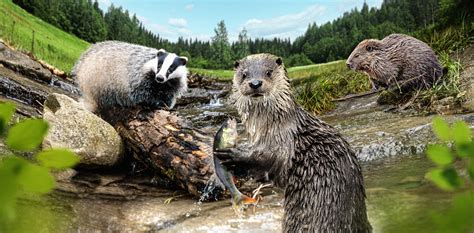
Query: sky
x,y
262,18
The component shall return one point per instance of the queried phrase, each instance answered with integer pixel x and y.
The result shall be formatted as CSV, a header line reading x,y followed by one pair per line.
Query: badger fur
x,y
114,73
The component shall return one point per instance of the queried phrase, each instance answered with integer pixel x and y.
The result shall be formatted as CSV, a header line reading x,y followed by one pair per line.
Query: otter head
x,y
259,75
364,55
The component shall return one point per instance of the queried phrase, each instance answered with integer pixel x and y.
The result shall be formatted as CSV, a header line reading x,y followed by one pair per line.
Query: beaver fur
x,y
324,187
397,60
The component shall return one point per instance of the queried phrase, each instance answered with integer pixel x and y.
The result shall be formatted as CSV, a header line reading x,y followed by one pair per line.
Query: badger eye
x,y
168,72
369,48
269,73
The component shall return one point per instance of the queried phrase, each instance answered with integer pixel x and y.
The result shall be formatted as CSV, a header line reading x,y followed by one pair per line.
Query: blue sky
x,y
197,19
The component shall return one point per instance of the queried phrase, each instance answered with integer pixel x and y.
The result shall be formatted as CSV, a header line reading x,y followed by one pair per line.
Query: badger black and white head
x,y
118,74
167,66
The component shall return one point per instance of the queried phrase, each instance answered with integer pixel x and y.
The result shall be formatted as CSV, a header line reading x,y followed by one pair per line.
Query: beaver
x,y
309,159
118,74
396,60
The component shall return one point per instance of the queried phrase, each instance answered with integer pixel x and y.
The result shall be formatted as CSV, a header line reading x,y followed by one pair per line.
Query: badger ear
x,y
183,60
236,64
161,51
279,61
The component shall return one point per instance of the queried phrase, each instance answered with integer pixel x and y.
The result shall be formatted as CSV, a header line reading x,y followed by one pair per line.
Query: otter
x,y
396,60
118,74
309,159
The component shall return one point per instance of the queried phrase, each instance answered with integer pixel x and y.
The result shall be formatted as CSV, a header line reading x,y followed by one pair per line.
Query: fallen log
x,y
164,142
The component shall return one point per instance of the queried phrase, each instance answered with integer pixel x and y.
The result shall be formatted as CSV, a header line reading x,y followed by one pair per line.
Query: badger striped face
x,y
169,66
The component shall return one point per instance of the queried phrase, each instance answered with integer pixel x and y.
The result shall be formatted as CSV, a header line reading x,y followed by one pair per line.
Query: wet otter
x,y
324,188
397,60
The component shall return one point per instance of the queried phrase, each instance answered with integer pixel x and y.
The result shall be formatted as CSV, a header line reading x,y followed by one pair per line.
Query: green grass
x,y
52,45
318,85
221,75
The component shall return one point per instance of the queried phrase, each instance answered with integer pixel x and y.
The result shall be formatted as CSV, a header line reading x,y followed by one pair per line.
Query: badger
x,y
118,74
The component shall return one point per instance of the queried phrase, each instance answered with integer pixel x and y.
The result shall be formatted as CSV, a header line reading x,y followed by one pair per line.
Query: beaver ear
x,y
279,61
236,64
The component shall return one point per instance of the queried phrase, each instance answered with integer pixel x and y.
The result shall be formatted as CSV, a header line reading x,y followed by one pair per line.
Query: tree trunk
x,y
166,143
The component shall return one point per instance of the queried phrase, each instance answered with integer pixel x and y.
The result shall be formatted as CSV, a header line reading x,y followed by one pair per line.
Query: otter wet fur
x,y
397,60
119,74
321,176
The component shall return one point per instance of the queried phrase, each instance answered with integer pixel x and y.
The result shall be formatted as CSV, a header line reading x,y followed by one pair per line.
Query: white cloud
x,y
291,25
178,22
189,7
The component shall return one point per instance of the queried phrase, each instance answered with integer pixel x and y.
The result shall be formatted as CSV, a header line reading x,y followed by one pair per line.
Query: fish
x,y
225,138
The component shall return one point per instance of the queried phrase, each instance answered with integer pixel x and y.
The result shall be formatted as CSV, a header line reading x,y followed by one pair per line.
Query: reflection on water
x,y
399,199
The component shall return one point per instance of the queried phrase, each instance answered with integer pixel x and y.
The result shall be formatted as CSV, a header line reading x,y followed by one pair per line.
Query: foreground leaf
x,y
6,114
440,154
57,158
36,179
27,135
461,133
441,129
445,178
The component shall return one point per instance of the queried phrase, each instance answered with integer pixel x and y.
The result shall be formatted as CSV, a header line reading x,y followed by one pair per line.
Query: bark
x,y
166,143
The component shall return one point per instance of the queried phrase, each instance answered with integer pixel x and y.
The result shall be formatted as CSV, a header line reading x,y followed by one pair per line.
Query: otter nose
x,y
255,84
160,78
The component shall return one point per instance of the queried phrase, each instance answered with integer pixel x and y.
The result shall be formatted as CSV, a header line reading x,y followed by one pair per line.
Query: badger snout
x,y
255,84
160,78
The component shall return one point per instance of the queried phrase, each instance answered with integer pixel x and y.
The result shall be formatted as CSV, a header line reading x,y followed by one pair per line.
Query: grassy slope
x,y
52,45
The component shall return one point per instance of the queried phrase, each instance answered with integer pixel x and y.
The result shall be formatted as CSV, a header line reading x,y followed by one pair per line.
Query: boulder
x,y
73,127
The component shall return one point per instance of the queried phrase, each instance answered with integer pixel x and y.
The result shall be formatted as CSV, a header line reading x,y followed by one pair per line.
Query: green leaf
x,y
445,178
9,189
36,179
440,154
461,133
441,129
470,168
465,150
6,114
57,158
27,135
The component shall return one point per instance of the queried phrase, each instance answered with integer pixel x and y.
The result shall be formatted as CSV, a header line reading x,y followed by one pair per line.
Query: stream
x,y
389,145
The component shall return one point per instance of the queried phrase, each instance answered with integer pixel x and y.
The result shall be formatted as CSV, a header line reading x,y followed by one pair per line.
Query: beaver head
x,y
364,55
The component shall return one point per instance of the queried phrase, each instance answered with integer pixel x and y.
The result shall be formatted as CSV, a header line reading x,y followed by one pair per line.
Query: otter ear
x,y
161,51
183,60
279,61
236,64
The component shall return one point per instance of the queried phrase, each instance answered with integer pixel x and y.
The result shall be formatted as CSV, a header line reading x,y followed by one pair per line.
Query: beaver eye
x,y
369,48
269,73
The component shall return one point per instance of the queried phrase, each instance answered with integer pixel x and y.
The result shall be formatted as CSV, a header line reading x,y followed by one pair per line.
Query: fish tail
x,y
247,200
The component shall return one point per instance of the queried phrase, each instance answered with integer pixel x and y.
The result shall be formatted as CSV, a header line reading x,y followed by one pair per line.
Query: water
x,y
215,102
399,197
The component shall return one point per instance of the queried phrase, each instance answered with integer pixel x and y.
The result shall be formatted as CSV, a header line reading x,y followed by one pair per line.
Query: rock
x,y
71,126
467,76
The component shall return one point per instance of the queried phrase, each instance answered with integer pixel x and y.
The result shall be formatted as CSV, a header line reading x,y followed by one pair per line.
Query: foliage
x,y
51,44
297,60
317,85
448,177
222,57
18,176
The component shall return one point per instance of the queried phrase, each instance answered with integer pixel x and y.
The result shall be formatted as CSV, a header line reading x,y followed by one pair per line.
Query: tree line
x,y
320,43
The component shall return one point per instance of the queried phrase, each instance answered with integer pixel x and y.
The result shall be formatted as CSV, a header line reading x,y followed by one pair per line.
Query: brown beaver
x,y
324,187
397,60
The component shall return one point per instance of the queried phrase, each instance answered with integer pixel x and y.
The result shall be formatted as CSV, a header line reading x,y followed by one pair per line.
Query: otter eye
x,y
269,73
244,75
369,48
357,55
